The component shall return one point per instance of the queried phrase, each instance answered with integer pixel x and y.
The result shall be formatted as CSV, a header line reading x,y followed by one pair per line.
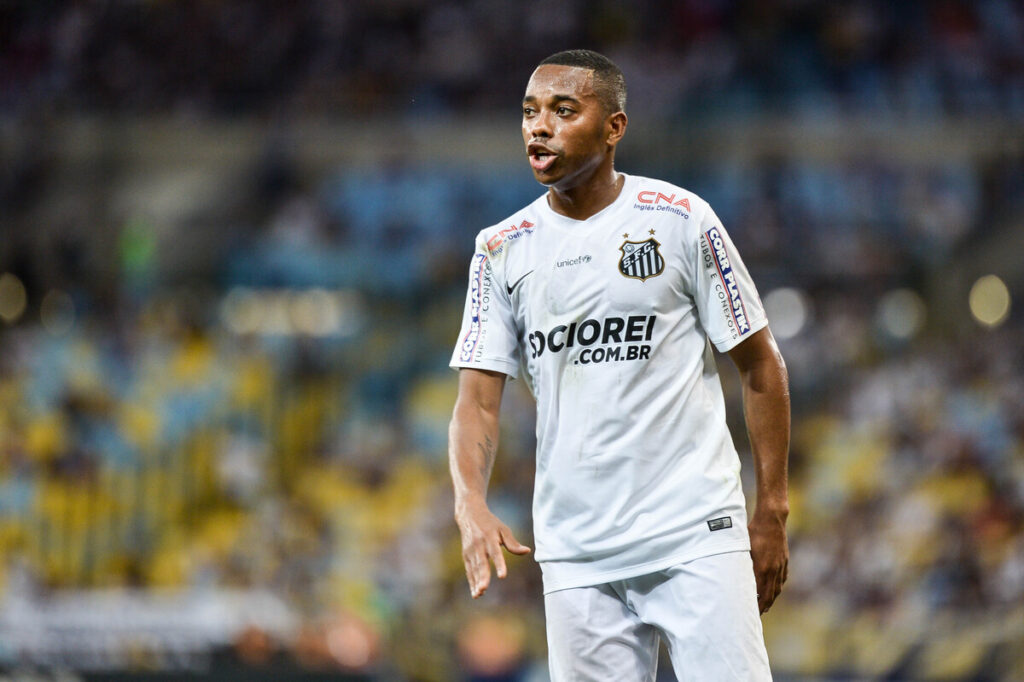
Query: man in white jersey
x,y
606,294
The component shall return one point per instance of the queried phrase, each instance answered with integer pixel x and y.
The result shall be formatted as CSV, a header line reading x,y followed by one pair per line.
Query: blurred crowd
x,y
247,462
709,57
178,444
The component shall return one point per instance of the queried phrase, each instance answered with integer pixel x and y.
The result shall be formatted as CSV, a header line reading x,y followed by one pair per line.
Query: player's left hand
x,y
769,551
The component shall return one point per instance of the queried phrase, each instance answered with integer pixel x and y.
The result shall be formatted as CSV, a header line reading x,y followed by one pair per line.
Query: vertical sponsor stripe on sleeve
x,y
724,269
476,284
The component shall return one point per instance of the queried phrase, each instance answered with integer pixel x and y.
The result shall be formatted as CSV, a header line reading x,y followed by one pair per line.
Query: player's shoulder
x,y
661,196
497,239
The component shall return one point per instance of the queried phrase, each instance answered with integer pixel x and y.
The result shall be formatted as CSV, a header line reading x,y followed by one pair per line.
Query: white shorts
x,y
706,610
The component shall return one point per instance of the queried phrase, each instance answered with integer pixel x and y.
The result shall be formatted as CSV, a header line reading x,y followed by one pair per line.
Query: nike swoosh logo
x,y
517,282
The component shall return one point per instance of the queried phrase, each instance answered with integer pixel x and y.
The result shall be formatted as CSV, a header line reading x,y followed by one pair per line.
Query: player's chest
x,y
625,267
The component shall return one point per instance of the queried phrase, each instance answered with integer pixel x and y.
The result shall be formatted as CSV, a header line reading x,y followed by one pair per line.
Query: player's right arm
x,y
472,446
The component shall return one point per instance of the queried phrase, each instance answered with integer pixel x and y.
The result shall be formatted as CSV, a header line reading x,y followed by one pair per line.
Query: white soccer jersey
x,y
610,320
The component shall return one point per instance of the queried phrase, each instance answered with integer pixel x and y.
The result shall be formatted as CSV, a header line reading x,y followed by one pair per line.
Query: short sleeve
x,y
487,339
727,302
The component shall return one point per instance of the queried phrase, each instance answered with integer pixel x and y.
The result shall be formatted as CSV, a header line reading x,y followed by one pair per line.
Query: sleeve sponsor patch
x,y
720,260
479,288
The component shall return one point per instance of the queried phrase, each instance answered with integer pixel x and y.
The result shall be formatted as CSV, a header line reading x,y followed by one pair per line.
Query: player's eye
x,y
564,111
527,111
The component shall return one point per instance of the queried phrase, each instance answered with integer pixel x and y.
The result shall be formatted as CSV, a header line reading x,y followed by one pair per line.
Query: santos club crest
x,y
641,260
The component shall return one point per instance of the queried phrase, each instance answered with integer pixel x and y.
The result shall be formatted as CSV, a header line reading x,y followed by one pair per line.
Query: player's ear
x,y
616,127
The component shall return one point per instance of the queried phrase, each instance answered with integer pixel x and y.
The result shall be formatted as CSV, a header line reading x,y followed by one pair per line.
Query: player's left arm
x,y
766,411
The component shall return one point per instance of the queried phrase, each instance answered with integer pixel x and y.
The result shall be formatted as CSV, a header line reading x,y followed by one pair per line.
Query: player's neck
x,y
587,199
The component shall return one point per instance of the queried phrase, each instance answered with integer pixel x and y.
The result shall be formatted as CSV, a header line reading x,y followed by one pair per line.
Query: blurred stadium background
x,y
232,257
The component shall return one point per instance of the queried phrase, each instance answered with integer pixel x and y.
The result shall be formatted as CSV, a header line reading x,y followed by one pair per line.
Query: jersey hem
x,y
643,569
728,343
511,369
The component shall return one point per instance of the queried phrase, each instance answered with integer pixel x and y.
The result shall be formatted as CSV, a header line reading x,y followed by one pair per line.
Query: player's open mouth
x,y
542,161
541,157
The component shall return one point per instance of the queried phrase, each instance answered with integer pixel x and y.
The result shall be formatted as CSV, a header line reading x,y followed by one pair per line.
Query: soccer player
x,y
607,293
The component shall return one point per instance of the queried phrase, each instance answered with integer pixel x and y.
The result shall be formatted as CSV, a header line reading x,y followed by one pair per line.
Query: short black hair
x,y
609,83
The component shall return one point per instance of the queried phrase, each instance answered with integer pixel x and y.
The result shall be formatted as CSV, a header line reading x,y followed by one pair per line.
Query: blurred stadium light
x,y
990,301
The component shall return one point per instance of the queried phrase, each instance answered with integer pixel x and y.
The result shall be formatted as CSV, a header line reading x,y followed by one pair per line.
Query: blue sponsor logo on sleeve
x,y
472,338
736,306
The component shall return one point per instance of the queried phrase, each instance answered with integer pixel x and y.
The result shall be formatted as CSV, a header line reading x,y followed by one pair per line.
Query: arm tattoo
x,y
487,450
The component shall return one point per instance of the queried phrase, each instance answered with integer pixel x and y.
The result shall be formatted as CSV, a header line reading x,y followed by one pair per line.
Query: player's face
x,y
565,128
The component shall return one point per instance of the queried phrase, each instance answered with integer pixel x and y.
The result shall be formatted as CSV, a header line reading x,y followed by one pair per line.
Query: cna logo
x,y
735,306
656,198
649,200
508,234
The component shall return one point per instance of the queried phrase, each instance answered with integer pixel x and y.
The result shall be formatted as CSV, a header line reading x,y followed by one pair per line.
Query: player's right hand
x,y
483,536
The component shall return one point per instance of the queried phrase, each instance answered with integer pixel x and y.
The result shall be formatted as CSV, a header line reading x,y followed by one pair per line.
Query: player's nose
x,y
539,125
